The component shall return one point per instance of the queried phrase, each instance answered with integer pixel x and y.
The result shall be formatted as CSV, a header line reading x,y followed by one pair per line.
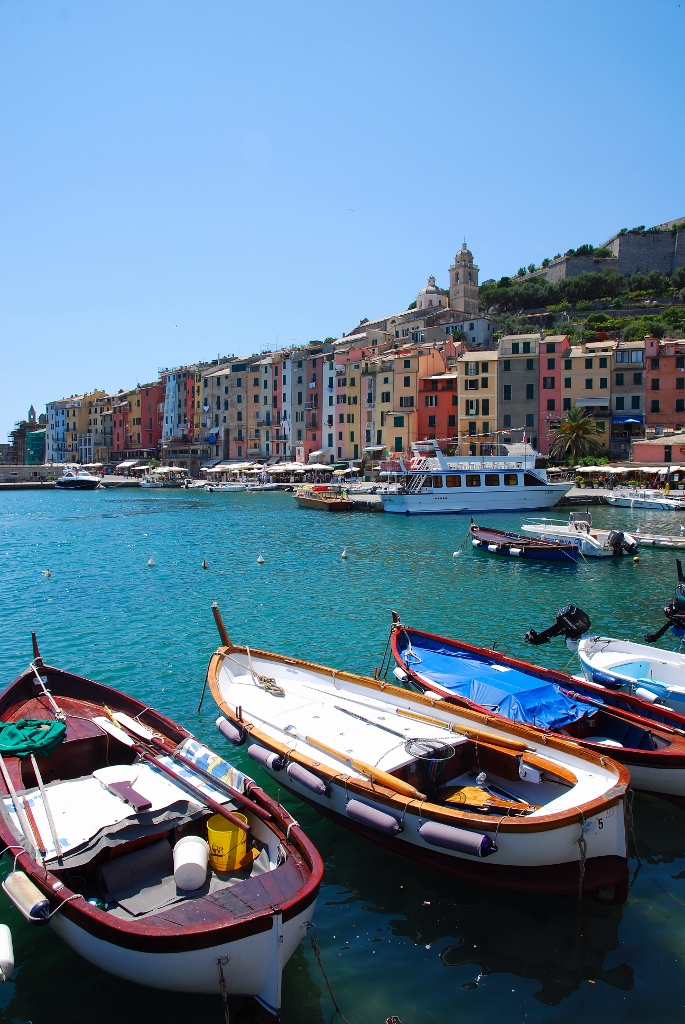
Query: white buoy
x,y
47,573
151,561
456,554
344,553
6,953
205,563
260,560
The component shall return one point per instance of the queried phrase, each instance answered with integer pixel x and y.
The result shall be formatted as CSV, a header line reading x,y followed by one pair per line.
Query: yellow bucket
x,y
227,843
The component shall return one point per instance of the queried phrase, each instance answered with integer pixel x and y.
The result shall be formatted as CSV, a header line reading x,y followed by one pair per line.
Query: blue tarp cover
x,y
511,692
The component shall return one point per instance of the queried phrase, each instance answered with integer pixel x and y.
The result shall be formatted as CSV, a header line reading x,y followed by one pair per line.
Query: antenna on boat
x,y
37,660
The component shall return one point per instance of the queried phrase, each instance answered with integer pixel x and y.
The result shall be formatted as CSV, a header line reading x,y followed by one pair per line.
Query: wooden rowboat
x,y
498,802
105,879
502,542
649,740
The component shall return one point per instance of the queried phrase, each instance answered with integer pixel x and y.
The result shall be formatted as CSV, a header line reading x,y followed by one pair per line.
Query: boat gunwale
x,y
423,808
532,542
148,935
642,758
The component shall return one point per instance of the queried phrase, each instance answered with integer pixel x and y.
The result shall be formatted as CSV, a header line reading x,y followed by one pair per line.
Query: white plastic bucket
x,y
191,855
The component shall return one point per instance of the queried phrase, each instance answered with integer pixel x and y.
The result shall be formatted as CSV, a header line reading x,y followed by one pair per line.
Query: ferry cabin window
x,y
511,479
492,479
472,480
452,481
437,481
530,480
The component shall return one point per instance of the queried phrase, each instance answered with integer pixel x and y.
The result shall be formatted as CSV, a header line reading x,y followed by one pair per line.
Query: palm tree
x,y
575,437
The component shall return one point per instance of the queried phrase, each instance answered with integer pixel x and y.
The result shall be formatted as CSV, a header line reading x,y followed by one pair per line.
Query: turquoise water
x,y
395,939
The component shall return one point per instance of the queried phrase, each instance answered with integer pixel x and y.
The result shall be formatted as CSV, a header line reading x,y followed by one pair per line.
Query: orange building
x,y
664,384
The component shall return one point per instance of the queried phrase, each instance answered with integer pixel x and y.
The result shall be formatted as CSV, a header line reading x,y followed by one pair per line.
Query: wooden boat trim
x,y
405,805
149,935
675,732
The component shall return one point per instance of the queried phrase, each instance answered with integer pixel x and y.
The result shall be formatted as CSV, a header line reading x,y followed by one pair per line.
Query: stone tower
x,y
464,283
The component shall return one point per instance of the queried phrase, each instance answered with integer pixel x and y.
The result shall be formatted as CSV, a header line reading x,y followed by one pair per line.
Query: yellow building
x,y
586,383
477,390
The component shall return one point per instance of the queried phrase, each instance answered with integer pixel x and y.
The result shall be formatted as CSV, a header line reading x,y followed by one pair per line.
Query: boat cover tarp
x,y
518,695
30,736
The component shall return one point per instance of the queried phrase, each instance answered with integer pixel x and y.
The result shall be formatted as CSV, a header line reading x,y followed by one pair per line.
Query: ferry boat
x,y
503,481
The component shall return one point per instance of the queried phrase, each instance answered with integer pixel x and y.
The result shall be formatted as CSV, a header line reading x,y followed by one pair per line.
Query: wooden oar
x,y
48,811
467,730
383,778
23,822
183,783
151,737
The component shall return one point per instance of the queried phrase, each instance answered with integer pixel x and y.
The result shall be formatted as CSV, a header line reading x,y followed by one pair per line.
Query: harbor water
x,y
395,938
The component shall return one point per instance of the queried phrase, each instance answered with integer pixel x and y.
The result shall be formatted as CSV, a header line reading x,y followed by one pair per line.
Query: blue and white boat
x,y
648,672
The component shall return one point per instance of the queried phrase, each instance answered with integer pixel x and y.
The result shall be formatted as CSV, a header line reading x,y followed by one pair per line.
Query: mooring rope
x,y
311,932
267,683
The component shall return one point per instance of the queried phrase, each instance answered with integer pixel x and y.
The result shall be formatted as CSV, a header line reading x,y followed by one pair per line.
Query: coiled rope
x,y
267,683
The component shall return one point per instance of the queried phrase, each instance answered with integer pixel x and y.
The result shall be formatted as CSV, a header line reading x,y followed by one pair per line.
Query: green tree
x,y
576,437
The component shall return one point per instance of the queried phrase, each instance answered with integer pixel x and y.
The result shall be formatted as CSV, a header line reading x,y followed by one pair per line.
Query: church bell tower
x,y
464,283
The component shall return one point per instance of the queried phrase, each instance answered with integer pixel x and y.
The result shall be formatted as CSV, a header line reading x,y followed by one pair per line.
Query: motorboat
x,y
262,487
653,500
506,480
660,540
449,787
503,542
650,673
591,542
323,497
107,806
151,481
226,486
77,479
647,740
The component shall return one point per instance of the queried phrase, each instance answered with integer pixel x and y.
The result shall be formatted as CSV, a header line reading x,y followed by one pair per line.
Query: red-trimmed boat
x,y
647,739
97,821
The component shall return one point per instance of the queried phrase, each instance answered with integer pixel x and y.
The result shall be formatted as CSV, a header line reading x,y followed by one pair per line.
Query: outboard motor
x,y
571,623
674,612
618,543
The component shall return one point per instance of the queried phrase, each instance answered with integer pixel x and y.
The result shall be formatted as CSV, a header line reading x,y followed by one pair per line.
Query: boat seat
x,y
605,741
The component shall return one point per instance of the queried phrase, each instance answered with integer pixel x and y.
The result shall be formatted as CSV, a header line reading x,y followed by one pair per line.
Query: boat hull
x,y
254,966
514,545
653,504
77,485
327,505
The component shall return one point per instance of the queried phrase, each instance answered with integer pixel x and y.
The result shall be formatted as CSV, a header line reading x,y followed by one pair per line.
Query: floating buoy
x,y
344,553
47,573
636,559
260,560
205,563
151,561
456,554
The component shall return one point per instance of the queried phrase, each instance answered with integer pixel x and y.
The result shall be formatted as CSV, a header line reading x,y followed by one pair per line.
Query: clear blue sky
x,y
181,179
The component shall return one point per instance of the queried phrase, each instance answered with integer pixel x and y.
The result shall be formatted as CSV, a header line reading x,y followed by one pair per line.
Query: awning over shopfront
x,y
321,451
587,403
127,464
626,419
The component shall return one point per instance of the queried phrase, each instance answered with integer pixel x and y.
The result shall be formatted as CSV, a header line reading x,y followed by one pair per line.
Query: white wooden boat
x,y
659,540
430,482
449,787
591,542
95,822
646,499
